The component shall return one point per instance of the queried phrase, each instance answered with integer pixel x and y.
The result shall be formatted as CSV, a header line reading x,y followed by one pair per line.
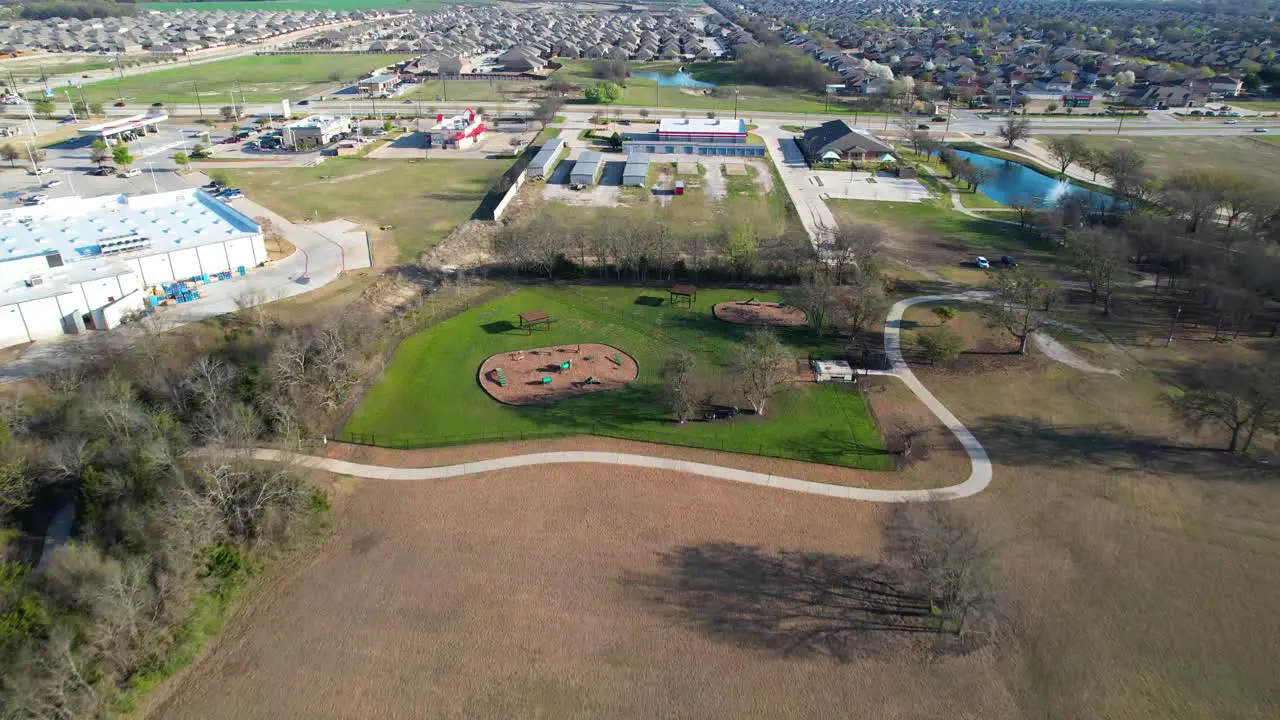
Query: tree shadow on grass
x,y
791,603
650,301
1031,442
829,447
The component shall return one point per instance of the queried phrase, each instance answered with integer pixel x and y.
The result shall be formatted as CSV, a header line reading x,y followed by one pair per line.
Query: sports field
x,y
260,79
428,394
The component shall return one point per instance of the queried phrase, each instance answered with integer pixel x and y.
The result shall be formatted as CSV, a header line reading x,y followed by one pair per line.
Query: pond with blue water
x,y
676,79
1011,183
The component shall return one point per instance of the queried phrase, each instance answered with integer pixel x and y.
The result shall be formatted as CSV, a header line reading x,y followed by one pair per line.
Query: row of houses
x,y
470,31
164,32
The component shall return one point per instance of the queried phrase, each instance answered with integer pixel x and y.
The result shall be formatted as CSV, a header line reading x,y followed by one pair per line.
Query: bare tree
x,y
243,495
681,385
950,559
1066,150
856,247
1099,256
1195,194
1240,398
814,296
1014,129
1019,304
1124,167
535,246
858,304
761,367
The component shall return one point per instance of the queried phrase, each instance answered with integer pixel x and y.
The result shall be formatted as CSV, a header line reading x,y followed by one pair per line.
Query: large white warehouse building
x,y
75,263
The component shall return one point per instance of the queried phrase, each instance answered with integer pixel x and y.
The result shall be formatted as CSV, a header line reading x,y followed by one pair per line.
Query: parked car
x,y
937,118
229,191
244,134
922,127
67,119
42,171
38,197
212,186
35,201
52,184
131,173
251,145
101,171
304,102
231,141
119,103
982,263
230,195
1008,261
1259,129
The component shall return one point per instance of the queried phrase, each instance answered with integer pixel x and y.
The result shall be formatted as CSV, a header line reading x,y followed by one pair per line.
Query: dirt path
x,y
1056,351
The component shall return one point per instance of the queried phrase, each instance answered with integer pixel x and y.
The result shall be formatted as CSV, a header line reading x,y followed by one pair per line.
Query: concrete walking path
x,y
979,476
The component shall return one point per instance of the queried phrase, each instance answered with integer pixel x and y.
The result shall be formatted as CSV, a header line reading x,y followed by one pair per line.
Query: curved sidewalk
x,y
979,476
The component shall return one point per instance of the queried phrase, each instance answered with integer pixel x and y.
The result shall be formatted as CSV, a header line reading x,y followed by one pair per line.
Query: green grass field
x,y
262,79
646,93
1250,154
422,201
428,393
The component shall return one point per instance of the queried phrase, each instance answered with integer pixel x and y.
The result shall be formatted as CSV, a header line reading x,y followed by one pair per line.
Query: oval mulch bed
x,y
750,312
592,368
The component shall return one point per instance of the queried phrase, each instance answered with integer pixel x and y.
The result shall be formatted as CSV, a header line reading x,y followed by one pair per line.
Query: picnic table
x,y
532,318
688,292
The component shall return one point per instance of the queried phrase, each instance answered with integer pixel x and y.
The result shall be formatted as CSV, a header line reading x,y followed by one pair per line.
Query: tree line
x,y
169,517
79,9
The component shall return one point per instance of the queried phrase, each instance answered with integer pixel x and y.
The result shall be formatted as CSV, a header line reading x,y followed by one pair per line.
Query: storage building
x,y
636,173
542,163
587,168
75,263
694,136
315,130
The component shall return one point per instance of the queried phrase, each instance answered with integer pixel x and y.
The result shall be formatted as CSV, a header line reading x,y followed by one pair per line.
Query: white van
x,y
131,172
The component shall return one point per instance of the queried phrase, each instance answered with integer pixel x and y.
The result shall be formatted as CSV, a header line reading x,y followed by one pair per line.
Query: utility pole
x,y
199,105
1121,123
1176,314
71,106
947,130
735,103
444,79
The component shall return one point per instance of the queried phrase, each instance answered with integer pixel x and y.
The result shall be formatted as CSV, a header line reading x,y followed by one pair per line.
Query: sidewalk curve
x,y
979,476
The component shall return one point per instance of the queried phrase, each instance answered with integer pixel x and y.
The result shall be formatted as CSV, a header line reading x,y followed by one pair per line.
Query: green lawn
x,y
479,90
262,79
428,394
422,201
646,93
1165,155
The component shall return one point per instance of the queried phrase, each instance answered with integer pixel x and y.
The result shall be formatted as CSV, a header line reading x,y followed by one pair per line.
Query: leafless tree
x,y
536,246
1019,304
855,246
243,495
1240,398
1014,129
1099,256
682,385
950,559
1066,150
761,367
1195,194
858,304
1125,168
814,296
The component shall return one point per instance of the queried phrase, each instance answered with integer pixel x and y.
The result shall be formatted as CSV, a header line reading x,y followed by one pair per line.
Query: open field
x,y
1166,155
491,92
428,393
422,201
933,235
262,79
646,93
1136,572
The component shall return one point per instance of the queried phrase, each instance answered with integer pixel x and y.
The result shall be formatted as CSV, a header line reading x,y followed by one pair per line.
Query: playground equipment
x,y
546,379
616,359
565,365
501,377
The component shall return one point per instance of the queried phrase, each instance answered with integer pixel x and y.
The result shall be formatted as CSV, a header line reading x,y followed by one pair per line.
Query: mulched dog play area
x,y
753,312
545,375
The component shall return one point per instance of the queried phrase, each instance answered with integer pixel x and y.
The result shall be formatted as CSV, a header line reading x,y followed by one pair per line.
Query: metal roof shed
x,y
587,168
636,173
540,166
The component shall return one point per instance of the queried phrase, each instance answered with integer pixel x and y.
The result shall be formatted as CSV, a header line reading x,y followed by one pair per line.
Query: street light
x,y
71,106
70,184
152,167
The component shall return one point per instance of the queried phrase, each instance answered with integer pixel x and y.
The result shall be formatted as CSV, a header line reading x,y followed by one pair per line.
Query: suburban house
x,y
847,143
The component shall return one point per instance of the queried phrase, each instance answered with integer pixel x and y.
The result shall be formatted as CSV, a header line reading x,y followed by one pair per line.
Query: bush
x,y
940,344
604,93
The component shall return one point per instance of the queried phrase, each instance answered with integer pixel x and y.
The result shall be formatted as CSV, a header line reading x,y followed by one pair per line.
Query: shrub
x,y
940,344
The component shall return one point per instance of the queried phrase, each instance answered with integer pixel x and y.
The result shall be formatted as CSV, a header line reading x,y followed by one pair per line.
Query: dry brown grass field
x,y
1138,571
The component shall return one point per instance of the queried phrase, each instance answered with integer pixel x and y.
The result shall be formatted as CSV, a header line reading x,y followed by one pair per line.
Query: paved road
x,y
979,476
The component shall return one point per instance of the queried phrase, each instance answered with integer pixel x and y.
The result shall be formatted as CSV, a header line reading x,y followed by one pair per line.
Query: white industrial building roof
x,y
119,125
701,125
316,121
88,227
